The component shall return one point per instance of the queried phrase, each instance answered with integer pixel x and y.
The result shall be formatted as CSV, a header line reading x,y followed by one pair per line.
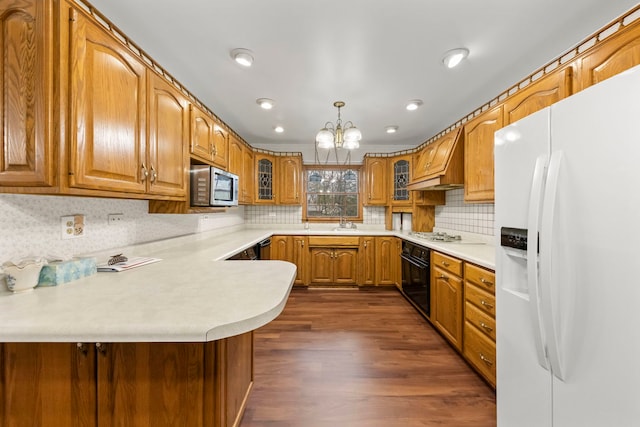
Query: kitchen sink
x,y
345,229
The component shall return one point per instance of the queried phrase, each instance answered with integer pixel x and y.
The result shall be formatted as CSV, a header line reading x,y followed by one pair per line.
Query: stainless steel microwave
x,y
211,186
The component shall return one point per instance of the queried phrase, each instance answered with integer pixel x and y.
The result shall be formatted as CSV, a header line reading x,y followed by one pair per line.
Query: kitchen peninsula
x,y
166,344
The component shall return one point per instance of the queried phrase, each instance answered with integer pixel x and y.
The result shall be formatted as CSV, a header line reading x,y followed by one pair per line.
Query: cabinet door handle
x,y
485,360
486,304
145,173
485,282
443,277
102,348
486,327
154,174
365,244
82,348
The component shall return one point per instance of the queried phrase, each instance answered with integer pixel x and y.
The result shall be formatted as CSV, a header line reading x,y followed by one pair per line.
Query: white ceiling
x,y
373,54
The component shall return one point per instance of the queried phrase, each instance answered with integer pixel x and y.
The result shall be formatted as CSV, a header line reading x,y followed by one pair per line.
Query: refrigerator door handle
x,y
546,265
535,204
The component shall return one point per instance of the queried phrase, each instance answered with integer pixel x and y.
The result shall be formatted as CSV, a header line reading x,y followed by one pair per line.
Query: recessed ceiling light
x,y
278,129
243,57
391,129
265,103
454,57
414,104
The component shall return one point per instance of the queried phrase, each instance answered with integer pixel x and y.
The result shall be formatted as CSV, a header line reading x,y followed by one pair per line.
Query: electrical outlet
x,y
72,226
272,214
115,218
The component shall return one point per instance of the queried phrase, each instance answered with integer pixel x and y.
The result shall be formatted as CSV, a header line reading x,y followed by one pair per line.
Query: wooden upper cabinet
x,y
26,154
201,134
220,147
248,183
400,176
478,159
107,111
538,95
289,177
617,53
168,136
375,181
241,163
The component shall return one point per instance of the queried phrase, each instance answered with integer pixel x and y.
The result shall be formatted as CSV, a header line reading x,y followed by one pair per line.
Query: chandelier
x,y
345,136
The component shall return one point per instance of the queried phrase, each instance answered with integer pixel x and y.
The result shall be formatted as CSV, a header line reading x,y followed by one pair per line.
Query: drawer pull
x,y
486,304
445,263
485,360
486,327
485,282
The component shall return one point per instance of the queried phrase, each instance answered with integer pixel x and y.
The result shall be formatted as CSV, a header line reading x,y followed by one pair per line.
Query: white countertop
x,y
192,295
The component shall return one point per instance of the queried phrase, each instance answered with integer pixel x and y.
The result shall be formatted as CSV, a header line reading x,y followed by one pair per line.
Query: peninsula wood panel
x,y
47,385
108,111
166,379
26,93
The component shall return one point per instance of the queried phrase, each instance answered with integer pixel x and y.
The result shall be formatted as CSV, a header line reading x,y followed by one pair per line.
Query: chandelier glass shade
x,y
340,135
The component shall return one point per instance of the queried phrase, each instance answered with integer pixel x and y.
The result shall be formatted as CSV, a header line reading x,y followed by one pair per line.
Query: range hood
x,y
440,164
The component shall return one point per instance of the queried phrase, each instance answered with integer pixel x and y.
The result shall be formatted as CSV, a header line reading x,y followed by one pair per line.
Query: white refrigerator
x,y
567,212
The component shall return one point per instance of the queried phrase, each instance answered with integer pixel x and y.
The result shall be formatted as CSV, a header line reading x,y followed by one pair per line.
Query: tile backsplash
x,y
472,218
271,214
30,225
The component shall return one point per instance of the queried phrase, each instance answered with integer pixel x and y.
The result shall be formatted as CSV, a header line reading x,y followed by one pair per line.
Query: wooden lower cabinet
x,y
333,266
479,346
388,269
367,262
333,260
293,249
446,297
117,384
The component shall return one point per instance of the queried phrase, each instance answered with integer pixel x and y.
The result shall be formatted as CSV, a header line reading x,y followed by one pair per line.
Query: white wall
x,y
30,225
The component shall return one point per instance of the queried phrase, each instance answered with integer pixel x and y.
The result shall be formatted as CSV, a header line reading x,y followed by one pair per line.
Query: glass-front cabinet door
x,y
401,176
264,184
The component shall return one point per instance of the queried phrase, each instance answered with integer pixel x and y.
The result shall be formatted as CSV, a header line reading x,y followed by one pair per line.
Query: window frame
x,y
356,168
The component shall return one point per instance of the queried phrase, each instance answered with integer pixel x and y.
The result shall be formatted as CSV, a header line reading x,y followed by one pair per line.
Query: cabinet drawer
x,y
484,279
480,351
480,298
452,265
334,241
484,322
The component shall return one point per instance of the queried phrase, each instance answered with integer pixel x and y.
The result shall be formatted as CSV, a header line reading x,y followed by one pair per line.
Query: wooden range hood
x,y
440,165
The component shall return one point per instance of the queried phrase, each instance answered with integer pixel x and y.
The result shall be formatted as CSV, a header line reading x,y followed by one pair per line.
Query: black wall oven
x,y
416,276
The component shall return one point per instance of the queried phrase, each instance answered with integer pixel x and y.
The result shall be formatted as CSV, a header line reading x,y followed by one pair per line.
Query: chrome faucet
x,y
343,222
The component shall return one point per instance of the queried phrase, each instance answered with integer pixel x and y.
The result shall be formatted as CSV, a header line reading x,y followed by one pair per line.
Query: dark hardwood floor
x,y
360,358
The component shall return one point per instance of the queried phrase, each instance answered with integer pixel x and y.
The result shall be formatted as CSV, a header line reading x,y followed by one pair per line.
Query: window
x,y
332,193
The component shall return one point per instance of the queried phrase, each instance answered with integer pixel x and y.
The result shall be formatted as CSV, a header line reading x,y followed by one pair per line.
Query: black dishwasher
x,y
263,249
248,254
